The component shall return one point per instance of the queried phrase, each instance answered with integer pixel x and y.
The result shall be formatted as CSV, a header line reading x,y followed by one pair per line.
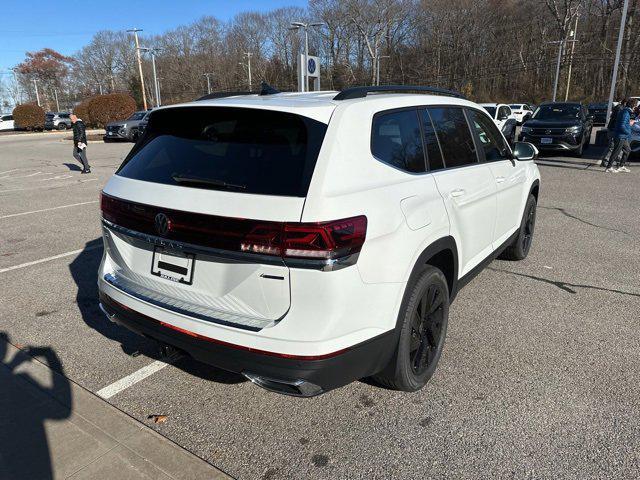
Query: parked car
x,y
125,129
244,232
521,112
559,126
6,122
599,112
503,118
57,121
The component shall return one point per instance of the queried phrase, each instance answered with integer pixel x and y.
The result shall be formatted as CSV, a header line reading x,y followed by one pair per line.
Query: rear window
x,y
222,148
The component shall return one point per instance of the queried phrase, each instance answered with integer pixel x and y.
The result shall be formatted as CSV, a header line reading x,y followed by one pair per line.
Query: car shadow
x,y
26,408
73,167
84,270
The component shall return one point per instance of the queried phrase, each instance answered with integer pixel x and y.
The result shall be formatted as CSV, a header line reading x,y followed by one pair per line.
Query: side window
x,y
396,140
491,142
503,113
454,136
434,155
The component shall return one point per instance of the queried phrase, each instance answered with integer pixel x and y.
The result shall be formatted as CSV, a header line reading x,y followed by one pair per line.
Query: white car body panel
x,y
6,124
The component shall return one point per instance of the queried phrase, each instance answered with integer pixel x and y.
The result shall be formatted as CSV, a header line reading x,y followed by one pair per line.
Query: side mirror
x,y
525,151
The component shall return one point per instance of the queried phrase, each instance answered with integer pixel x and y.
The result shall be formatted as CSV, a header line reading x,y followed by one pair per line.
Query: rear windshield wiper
x,y
209,182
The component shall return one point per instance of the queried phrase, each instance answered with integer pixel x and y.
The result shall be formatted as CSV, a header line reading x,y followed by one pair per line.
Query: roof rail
x,y
214,95
361,92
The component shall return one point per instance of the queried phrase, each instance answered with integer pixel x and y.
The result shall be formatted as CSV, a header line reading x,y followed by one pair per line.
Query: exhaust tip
x,y
296,388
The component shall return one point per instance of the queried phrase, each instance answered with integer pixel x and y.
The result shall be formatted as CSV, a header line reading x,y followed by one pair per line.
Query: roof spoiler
x,y
362,92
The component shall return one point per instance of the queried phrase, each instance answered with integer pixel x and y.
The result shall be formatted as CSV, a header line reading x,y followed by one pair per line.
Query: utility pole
x,y
15,79
248,54
144,95
561,45
100,88
208,82
55,94
35,84
378,68
305,27
152,51
614,77
573,46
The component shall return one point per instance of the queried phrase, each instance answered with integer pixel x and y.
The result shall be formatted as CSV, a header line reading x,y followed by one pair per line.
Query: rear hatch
x,y
194,217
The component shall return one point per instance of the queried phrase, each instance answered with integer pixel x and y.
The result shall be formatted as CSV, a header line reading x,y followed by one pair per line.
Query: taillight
x,y
326,240
319,241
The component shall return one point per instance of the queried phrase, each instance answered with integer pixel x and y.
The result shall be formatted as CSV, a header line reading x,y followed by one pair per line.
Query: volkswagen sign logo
x,y
311,66
163,224
547,131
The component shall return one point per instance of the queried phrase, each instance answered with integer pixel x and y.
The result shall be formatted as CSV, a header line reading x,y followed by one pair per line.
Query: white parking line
x,y
47,209
126,382
55,257
48,187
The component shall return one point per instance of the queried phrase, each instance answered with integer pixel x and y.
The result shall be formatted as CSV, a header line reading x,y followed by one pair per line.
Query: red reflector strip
x,y
227,344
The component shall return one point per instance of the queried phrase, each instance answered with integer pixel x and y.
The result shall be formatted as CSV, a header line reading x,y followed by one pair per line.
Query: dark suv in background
x,y
559,126
599,112
128,129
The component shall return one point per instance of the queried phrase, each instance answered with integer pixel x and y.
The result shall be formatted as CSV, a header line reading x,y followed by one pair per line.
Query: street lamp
x,y
153,51
305,27
208,81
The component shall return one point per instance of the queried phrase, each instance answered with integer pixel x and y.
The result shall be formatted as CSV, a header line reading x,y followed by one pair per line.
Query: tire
x,y
579,151
520,247
62,126
421,337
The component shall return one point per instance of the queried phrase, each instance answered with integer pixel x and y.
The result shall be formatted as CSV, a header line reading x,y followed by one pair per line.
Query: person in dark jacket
x,y
80,142
621,133
611,126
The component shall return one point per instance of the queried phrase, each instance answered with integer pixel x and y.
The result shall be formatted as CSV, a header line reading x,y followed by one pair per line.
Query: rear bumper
x,y
288,374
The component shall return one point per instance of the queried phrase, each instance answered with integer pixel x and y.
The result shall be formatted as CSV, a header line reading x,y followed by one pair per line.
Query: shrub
x,y
111,107
82,111
29,116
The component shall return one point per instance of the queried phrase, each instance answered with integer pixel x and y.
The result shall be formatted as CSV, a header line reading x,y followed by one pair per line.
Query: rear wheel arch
x,y
442,254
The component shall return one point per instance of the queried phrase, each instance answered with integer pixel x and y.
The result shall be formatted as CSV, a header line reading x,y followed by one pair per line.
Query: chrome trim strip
x,y
110,279
322,265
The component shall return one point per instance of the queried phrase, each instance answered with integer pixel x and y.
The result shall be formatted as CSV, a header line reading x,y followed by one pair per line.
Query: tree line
x,y
490,50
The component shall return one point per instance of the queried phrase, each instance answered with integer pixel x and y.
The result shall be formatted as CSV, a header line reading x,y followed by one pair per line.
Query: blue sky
x,y
67,25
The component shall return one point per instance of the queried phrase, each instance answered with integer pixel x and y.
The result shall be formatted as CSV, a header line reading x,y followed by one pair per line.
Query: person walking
x,y
621,133
80,142
611,126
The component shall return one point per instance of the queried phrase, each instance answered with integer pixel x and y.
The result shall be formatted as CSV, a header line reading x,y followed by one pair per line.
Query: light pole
x,y
35,84
305,27
574,34
378,68
144,95
208,81
561,44
248,55
55,94
614,76
152,51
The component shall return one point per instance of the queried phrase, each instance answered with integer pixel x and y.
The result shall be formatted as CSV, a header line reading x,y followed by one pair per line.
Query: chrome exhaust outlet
x,y
110,316
296,388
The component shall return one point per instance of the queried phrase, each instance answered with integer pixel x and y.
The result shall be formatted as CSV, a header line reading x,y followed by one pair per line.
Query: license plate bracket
x,y
173,265
546,140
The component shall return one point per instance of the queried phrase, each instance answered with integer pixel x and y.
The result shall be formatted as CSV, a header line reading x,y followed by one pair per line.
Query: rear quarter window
x,y
226,148
396,140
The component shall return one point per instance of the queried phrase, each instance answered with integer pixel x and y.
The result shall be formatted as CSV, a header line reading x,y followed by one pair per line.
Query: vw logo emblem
x,y
311,65
163,224
547,132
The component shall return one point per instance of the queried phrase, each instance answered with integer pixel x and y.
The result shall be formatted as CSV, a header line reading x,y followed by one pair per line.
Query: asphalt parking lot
x,y
539,377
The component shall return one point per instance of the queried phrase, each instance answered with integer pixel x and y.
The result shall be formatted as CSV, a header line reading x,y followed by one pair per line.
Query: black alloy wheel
x,y
426,329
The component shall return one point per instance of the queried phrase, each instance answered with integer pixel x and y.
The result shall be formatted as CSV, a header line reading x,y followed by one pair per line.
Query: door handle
x,y
500,179
458,192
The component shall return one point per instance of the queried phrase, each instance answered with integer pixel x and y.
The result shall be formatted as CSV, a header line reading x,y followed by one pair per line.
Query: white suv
x,y
306,240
